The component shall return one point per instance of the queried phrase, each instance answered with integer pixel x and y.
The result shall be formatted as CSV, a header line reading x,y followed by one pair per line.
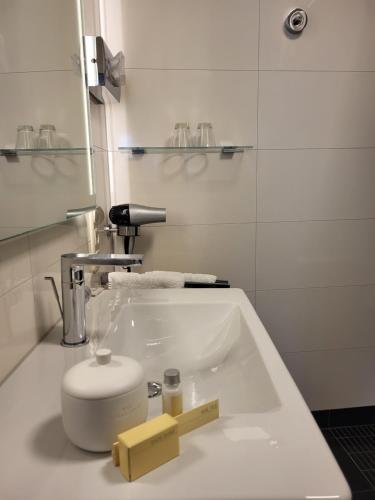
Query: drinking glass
x,y
182,135
25,137
47,137
205,137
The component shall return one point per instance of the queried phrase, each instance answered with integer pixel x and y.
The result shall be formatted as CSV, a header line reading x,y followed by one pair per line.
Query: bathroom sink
x,y
266,444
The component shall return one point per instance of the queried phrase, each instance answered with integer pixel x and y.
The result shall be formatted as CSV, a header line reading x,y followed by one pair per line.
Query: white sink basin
x,y
266,444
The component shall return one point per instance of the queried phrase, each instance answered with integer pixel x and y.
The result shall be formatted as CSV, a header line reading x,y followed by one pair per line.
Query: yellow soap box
x,y
145,447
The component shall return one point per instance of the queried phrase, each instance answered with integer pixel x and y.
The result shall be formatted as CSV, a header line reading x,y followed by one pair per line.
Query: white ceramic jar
x,y
102,397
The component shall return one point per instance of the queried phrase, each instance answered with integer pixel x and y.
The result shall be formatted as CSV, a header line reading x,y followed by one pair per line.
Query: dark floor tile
x,y
321,417
364,461
370,476
357,481
360,431
352,416
356,444
364,495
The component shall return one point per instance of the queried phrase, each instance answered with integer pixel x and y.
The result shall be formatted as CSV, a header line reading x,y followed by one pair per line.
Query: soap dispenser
x,y
102,397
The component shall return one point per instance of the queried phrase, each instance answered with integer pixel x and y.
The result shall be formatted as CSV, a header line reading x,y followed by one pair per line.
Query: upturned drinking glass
x,y
205,136
47,137
25,137
182,136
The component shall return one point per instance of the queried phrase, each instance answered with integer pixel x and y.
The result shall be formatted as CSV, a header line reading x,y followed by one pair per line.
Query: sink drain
x,y
154,389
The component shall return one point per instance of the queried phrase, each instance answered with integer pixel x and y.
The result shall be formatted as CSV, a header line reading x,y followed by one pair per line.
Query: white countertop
x,y
39,463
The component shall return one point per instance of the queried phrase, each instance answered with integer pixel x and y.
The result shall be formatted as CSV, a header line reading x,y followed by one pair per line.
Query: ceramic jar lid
x,y
102,377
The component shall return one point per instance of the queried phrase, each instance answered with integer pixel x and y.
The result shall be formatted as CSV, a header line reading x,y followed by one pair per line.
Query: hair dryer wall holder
x,y
128,218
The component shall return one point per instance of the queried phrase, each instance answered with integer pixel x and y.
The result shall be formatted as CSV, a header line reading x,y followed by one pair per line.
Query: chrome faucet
x,y
74,290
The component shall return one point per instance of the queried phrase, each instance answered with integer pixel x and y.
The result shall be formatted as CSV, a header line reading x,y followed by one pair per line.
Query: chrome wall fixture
x,y
296,21
129,217
103,69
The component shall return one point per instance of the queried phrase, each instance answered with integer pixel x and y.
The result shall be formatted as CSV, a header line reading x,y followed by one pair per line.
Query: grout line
x,y
293,221
256,165
248,70
254,221
329,349
360,285
99,149
9,73
166,226
222,70
18,285
310,148
317,70
349,456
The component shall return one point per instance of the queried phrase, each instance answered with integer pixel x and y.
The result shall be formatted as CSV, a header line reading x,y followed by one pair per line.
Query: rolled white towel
x,y
156,279
152,279
200,278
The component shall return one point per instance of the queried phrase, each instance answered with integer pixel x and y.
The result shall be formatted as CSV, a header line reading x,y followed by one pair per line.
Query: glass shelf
x,y
141,150
43,152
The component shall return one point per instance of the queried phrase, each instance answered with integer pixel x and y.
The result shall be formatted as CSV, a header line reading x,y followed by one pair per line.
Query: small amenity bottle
x,y
172,392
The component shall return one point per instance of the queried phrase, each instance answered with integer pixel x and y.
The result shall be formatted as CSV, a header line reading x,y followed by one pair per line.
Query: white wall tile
x,y
155,100
198,34
111,24
15,266
316,184
26,180
27,304
251,297
19,331
315,109
298,109
339,36
38,36
102,188
28,310
334,379
47,246
195,189
46,308
226,250
91,17
308,254
36,98
319,318
98,125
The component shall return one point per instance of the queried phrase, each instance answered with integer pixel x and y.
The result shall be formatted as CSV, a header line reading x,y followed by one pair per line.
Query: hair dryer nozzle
x,y
130,214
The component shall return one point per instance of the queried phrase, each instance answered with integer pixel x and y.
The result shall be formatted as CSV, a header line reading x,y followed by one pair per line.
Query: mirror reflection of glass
x,y
45,160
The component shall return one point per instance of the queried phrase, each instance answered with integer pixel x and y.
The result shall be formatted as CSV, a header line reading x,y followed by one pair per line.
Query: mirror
x,y
46,173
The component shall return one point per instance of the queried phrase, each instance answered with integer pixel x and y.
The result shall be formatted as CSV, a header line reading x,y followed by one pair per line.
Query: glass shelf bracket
x,y
224,150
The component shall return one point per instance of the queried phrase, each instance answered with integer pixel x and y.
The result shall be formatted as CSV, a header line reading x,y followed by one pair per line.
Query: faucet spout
x,y
73,290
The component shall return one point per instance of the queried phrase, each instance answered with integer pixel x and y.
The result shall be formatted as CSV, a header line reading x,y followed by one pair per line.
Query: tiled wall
x,y
28,308
38,65
315,193
291,222
39,70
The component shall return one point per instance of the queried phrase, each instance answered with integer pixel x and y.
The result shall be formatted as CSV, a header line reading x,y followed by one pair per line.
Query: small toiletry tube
x,y
172,392
146,447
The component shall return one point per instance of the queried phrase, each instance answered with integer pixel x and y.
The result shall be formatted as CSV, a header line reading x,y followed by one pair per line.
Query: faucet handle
x,y
51,279
71,260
